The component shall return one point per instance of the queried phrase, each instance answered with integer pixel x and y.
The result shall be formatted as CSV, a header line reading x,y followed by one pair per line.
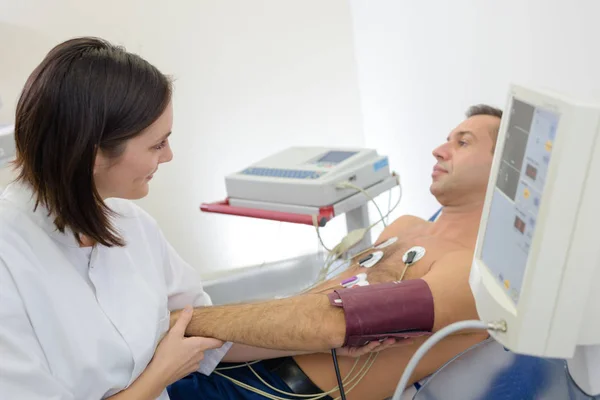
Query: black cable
x,y
338,375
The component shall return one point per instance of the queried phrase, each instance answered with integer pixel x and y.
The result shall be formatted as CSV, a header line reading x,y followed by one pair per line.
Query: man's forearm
x,y
242,352
301,323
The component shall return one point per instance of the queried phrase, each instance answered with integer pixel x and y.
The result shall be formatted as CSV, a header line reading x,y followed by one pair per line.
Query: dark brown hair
x,y
86,94
484,109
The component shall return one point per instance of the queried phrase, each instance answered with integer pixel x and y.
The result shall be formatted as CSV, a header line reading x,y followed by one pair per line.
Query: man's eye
x,y
462,143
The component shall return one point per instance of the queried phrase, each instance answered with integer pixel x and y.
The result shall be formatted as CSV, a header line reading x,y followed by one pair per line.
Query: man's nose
x,y
442,152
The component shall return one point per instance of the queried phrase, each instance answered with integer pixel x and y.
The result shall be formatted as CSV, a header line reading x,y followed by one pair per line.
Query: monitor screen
x,y
335,157
530,134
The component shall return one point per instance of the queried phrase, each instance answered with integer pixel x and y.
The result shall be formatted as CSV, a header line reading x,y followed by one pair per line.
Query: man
x,y
310,322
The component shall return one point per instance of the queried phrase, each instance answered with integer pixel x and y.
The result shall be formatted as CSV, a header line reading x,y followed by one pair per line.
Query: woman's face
x,y
127,176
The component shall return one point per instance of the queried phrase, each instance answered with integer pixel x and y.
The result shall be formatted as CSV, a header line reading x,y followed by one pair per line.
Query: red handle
x,y
223,207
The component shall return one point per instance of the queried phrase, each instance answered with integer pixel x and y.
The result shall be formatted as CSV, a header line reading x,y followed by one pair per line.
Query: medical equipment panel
x,y
307,176
517,196
537,251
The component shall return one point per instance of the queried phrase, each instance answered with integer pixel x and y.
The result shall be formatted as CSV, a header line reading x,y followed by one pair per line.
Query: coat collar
x,y
21,196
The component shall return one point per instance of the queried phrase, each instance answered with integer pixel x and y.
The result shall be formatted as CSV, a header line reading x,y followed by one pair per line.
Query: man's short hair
x,y
484,109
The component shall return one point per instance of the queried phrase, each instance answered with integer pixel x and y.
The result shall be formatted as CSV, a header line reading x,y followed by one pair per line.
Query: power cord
x,y
316,225
337,374
390,210
437,337
387,217
348,185
354,237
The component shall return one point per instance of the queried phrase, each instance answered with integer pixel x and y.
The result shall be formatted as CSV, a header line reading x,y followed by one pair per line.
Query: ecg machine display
x,y
517,196
336,157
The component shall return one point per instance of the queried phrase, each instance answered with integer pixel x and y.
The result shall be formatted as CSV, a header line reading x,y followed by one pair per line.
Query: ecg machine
x,y
307,176
309,185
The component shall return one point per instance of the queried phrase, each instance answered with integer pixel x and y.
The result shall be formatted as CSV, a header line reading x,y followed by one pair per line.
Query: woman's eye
x,y
161,145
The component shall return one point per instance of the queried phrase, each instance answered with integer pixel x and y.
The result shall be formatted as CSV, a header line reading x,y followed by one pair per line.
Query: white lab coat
x,y
65,337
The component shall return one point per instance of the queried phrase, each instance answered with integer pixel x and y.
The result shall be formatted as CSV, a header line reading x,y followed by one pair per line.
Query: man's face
x,y
461,173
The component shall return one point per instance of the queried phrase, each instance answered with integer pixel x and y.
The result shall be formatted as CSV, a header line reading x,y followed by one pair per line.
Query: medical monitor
x,y
536,263
308,176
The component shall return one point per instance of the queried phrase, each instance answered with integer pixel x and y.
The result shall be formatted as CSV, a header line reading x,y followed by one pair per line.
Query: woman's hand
x,y
177,356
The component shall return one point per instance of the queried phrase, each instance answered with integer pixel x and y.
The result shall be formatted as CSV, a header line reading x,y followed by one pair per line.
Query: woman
x,y
86,278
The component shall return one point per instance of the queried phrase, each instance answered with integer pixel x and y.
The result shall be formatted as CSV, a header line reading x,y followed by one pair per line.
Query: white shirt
x,y
65,335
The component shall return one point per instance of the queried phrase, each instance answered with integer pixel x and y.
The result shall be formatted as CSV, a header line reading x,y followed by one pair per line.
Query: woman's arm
x,y
176,357
149,385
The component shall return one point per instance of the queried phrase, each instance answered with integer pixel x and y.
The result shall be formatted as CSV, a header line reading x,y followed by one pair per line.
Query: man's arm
x,y
310,323
300,323
242,353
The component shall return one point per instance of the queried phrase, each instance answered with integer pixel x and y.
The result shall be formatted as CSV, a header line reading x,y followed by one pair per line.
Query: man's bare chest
x,y
396,255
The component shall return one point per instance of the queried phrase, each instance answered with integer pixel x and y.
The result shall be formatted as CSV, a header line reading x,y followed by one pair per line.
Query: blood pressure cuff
x,y
388,310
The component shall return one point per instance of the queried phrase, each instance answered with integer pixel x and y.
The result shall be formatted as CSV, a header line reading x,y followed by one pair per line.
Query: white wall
x,y
421,64
13,61
252,77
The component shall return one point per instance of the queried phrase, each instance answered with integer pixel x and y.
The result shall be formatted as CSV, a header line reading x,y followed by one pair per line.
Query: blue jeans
x,y
214,387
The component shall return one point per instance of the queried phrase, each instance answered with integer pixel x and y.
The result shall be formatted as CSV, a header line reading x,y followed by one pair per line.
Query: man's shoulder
x,y
402,224
410,220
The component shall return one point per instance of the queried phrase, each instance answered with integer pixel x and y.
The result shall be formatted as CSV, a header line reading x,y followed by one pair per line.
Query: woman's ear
x,y
100,161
